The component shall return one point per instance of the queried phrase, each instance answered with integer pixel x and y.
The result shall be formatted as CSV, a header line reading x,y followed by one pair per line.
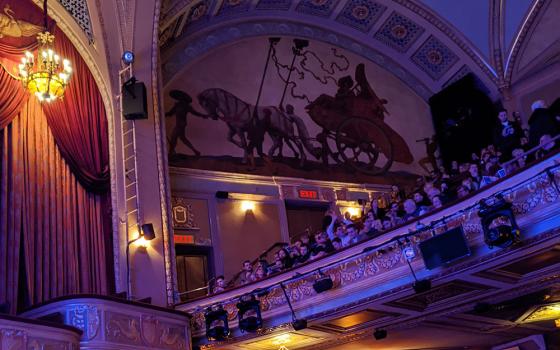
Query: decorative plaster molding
x,y
200,44
108,323
162,165
522,35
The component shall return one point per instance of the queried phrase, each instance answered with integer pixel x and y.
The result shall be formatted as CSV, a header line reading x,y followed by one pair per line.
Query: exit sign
x,y
183,239
308,194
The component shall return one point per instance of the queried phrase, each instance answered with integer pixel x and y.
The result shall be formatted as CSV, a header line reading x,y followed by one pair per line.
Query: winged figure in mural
x,y
9,26
354,120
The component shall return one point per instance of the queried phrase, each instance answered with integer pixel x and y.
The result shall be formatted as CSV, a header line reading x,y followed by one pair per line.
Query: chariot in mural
x,y
353,121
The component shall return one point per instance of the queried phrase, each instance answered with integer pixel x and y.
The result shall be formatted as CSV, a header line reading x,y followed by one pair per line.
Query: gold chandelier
x,y
44,76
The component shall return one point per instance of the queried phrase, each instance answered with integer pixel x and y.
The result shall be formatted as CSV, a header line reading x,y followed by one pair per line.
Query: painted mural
x,y
288,107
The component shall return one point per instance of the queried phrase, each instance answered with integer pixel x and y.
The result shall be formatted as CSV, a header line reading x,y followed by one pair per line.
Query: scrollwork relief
x,y
86,318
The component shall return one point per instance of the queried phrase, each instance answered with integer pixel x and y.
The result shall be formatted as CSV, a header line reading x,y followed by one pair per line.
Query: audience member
x,y
507,135
541,122
219,284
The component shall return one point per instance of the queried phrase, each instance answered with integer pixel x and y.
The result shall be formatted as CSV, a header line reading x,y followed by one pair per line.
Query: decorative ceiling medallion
x,y
316,7
434,58
399,32
361,14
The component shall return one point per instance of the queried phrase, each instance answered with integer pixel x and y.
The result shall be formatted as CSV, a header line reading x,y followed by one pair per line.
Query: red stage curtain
x,y
64,236
79,124
12,97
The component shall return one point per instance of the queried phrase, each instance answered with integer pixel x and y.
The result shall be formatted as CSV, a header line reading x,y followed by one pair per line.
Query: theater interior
x,y
280,174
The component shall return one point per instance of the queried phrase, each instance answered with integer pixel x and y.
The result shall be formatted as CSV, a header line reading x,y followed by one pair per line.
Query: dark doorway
x,y
194,270
304,216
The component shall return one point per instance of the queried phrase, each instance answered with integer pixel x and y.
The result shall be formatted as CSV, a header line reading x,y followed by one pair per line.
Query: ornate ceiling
x,y
428,44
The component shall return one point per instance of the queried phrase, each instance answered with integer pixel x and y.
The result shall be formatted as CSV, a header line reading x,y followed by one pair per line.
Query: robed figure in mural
x,y
183,106
354,121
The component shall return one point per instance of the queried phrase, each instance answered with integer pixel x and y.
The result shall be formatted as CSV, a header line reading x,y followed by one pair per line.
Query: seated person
x,y
219,284
387,224
436,202
547,146
462,191
247,272
304,254
337,243
351,235
285,258
260,273
322,246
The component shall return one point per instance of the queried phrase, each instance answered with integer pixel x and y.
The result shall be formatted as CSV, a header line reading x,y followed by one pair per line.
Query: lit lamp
x,y
146,234
247,206
47,75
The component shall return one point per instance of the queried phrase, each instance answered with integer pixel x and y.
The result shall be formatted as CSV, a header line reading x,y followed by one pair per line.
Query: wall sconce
x,y
146,233
353,211
247,206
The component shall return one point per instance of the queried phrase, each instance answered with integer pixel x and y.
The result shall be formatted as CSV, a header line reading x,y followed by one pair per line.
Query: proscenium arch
x,y
219,37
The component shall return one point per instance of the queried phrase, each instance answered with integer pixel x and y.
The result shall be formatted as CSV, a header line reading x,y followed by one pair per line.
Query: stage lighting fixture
x,y
498,223
253,321
421,286
128,57
298,324
217,327
323,283
380,334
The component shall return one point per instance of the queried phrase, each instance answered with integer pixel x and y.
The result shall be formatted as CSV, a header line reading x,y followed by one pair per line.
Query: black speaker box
x,y
222,195
134,102
444,248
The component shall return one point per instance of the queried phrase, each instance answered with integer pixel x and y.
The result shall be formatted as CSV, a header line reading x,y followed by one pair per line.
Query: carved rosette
x,y
86,318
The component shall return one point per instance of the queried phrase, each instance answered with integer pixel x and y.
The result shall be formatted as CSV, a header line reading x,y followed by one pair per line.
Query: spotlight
x,y
323,283
498,223
299,324
380,334
128,57
419,286
409,253
217,327
253,322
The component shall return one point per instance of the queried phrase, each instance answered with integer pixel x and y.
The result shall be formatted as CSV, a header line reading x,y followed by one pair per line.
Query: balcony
x,y
372,281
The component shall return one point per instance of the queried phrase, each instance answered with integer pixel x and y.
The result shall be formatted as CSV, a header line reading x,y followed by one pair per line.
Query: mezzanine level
x,y
373,282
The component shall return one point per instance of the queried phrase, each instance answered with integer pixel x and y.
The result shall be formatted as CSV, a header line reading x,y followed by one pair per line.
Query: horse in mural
x,y
238,115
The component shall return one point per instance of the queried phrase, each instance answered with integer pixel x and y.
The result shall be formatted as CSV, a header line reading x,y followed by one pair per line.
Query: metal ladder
x,y
130,166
